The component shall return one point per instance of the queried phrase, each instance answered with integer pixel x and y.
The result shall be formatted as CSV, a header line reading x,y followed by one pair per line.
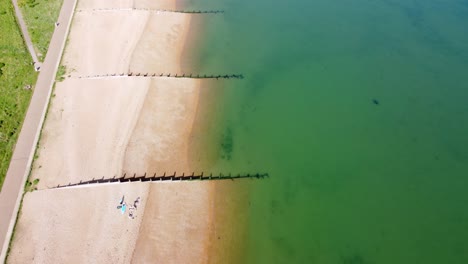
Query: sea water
x,y
358,110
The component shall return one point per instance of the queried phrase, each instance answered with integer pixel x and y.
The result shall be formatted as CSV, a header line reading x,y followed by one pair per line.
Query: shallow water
x,y
358,110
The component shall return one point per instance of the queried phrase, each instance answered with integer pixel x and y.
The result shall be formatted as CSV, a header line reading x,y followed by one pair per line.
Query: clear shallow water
x,y
359,112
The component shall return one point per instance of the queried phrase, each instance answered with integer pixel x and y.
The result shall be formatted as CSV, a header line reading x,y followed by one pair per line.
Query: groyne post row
x,y
166,177
153,10
170,75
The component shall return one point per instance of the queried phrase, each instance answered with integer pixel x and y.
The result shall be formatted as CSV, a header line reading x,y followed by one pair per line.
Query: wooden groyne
x,y
153,10
165,177
166,75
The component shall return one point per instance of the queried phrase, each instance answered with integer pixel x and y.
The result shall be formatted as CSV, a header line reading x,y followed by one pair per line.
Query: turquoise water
x,y
359,112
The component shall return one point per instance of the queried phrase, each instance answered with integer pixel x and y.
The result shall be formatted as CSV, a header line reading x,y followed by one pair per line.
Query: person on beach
x,y
123,208
121,202
137,201
131,212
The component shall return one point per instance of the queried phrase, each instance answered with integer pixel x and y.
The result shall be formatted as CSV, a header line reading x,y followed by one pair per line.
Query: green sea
x,y
358,110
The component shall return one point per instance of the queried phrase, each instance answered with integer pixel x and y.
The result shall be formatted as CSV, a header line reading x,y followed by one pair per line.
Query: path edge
x,y
7,239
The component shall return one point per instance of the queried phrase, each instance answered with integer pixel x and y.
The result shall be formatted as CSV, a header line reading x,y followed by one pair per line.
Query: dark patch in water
x,y
227,144
375,101
431,35
275,207
354,259
283,246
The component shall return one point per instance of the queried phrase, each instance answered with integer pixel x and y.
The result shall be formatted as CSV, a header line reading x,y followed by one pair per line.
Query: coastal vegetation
x,y
61,71
17,77
40,17
31,185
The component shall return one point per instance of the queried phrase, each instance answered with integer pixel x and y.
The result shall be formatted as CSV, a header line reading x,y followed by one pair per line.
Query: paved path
x,y
24,32
20,165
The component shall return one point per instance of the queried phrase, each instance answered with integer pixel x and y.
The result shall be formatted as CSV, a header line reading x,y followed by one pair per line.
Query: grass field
x,y
16,74
40,17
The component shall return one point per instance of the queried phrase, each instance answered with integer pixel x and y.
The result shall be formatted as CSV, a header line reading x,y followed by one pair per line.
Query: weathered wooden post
x,y
173,176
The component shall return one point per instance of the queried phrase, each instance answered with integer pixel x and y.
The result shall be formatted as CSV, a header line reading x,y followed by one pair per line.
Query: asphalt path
x,y
20,164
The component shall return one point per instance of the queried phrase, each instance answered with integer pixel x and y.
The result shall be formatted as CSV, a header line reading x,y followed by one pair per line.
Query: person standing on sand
x,y
132,208
137,201
123,208
121,202
131,211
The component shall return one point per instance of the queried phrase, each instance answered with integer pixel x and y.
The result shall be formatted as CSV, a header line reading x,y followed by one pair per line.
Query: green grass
x,y
16,73
61,72
40,17
31,185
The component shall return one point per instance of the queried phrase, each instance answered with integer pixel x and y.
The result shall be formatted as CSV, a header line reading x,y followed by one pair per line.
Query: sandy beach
x,y
110,126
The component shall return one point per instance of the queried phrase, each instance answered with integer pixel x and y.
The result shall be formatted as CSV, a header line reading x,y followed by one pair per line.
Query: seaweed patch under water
x,y
354,259
227,144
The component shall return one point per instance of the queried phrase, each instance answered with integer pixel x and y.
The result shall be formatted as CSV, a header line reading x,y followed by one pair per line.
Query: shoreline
x,y
95,126
229,200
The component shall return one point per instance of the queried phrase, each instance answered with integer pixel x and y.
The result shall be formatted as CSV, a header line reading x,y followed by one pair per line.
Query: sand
x,y
112,4
83,225
109,126
126,41
79,225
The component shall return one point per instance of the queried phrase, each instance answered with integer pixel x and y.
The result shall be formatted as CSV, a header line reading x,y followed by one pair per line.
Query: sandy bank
x,y
83,225
126,41
150,4
101,128
80,225
105,127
